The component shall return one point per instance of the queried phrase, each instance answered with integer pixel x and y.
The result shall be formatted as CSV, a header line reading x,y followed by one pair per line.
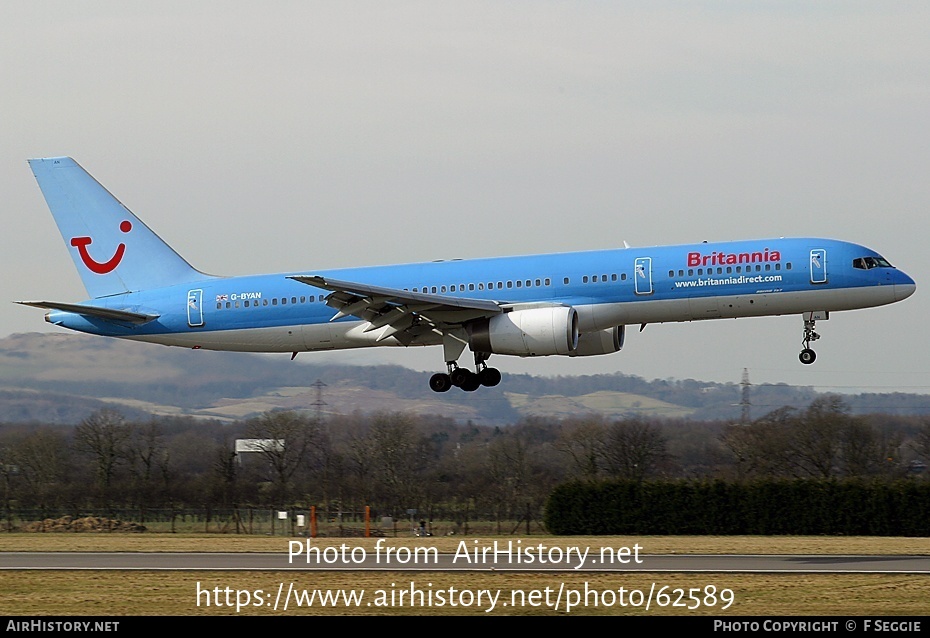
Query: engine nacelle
x,y
533,332
600,342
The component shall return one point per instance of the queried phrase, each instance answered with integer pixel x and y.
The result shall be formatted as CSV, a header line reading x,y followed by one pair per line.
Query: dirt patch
x,y
86,524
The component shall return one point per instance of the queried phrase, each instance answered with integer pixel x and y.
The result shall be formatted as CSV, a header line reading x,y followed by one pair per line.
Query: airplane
x,y
574,304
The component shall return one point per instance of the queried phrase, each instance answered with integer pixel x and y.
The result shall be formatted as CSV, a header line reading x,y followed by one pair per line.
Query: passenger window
x,y
565,280
228,305
584,279
548,281
510,284
519,283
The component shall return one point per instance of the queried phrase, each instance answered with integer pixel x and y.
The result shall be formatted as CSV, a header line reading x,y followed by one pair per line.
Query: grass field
x,y
157,593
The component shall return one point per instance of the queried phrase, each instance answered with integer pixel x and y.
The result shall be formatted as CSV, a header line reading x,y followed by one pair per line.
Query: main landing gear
x,y
807,355
465,378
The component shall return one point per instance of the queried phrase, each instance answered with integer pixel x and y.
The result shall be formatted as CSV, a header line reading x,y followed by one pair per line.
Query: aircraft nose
x,y
904,287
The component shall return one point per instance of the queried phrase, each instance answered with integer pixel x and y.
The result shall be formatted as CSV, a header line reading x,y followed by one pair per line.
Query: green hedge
x,y
797,507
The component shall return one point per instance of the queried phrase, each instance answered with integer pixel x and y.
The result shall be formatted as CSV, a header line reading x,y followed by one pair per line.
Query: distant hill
x,y
61,378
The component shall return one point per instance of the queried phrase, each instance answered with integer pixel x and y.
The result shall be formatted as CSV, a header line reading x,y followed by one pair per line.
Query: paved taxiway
x,y
156,561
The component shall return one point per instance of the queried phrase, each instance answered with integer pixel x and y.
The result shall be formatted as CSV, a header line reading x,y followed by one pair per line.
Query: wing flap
x,y
402,314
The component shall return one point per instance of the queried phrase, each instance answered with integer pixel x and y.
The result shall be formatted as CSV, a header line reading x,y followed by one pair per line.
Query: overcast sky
x,y
297,136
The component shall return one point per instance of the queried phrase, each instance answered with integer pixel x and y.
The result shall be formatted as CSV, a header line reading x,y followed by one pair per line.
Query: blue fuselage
x,y
608,288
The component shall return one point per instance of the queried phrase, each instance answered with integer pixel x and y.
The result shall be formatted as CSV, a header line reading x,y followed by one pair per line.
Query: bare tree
x,y
921,442
104,436
400,458
42,461
633,449
867,451
285,440
764,448
508,473
148,463
817,440
582,441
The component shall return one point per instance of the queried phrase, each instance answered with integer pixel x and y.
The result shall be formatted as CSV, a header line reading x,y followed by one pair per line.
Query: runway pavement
x,y
371,561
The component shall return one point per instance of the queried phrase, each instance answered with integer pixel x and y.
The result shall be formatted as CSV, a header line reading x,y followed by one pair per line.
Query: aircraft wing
x,y
403,314
110,314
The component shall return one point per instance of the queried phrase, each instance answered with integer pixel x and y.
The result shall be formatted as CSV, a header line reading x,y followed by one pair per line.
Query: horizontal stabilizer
x,y
110,314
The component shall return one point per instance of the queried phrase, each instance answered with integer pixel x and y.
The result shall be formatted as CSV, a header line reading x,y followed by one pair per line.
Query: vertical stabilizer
x,y
114,252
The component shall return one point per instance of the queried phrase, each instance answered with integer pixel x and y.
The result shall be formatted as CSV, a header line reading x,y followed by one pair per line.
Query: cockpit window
x,y
866,263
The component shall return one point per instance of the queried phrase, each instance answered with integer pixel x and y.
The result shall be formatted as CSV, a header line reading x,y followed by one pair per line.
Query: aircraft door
x,y
195,308
642,275
818,266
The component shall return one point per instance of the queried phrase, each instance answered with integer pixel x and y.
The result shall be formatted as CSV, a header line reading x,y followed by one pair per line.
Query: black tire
x,y
489,377
807,356
440,382
471,382
459,376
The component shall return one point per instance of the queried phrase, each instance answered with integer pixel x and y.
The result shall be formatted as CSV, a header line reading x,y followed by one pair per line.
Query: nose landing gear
x,y
807,355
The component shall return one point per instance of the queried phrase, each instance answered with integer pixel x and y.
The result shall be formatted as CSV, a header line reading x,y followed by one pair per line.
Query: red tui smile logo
x,y
101,268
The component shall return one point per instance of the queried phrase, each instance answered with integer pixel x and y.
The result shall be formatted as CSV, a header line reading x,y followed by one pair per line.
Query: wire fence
x,y
249,521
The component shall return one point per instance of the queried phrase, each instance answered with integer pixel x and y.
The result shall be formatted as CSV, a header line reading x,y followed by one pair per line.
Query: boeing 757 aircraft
x,y
571,304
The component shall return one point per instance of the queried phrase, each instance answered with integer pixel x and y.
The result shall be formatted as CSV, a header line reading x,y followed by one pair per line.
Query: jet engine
x,y
600,342
533,332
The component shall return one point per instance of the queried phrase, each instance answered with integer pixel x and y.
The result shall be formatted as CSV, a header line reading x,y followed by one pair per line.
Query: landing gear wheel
x,y
807,355
489,377
471,382
459,376
440,382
